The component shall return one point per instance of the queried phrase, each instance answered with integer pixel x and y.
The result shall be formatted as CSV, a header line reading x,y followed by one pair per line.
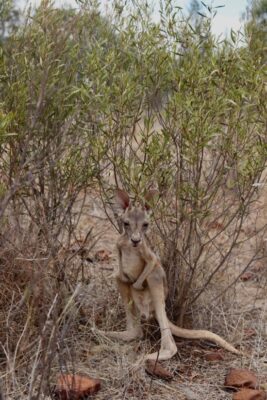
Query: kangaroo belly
x,y
132,265
143,302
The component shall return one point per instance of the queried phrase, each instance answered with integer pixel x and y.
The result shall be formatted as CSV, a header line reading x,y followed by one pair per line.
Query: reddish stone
x,y
75,387
250,394
155,369
214,356
241,378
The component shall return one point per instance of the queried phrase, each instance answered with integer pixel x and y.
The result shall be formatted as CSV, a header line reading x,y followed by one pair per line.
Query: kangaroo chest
x,y
132,263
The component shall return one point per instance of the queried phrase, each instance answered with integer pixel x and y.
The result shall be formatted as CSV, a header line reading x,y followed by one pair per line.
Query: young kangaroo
x,y
143,286
135,225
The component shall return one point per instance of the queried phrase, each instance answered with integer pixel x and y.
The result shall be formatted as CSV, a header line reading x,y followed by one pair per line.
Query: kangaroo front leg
x,y
138,285
151,263
168,347
133,326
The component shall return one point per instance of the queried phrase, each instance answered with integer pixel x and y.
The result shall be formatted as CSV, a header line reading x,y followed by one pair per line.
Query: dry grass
x,y
42,336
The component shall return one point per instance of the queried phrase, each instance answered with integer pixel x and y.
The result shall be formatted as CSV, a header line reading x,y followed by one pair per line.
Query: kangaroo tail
x,y
201,334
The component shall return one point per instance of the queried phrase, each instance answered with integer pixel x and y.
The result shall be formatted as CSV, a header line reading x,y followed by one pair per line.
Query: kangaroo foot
x,y
162,355
126,336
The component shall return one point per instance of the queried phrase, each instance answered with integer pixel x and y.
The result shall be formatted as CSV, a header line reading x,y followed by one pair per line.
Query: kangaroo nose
x,y
135,241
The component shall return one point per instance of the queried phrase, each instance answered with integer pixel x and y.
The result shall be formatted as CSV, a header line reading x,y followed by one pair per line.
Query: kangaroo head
x,y
135,219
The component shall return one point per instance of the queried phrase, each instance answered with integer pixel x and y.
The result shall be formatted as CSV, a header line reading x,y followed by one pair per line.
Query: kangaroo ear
x,y
122,199
149,196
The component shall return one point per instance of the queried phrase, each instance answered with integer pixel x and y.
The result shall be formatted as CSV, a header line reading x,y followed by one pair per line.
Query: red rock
x,y
75,387
250,394
241,378
155,369
214,356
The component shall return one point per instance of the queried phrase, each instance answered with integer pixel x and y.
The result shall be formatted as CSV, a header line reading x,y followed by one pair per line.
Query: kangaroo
x,y
142,284
135,224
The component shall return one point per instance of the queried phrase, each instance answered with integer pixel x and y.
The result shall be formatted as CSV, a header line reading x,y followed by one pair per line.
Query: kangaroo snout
x,y
135,241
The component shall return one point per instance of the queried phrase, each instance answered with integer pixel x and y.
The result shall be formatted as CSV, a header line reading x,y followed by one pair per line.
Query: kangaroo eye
x,y
145,224
126,224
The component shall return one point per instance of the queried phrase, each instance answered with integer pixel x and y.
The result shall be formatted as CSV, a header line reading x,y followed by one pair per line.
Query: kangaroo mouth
x,y
135,244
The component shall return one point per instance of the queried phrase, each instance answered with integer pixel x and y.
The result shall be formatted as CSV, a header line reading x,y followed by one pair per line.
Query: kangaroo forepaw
x,y
137,286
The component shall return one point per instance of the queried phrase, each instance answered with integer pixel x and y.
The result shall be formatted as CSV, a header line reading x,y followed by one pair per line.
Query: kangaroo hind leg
x,y
168,347
133,325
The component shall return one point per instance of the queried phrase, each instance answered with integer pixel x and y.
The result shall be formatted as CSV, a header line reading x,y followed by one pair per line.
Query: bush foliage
x,y
128,101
